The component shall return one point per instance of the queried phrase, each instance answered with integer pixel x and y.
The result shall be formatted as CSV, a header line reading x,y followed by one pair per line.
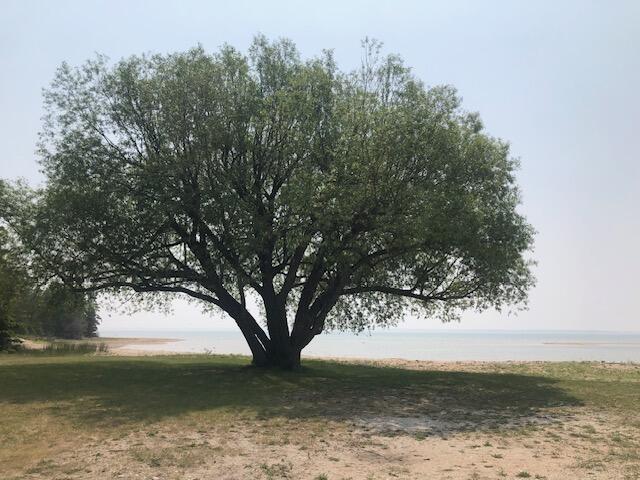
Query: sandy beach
x,y
115,345
124,346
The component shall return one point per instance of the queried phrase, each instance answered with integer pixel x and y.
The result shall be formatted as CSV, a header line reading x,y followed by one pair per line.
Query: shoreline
x,y
126,347
119,348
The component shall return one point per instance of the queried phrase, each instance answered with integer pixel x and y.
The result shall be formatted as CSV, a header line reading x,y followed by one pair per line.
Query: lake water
x,y
422,344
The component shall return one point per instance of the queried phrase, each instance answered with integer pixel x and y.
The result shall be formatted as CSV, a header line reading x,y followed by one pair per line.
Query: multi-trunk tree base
x,y
282,360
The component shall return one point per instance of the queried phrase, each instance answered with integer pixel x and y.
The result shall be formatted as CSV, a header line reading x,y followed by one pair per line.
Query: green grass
x,y
46,397
99,389
613,387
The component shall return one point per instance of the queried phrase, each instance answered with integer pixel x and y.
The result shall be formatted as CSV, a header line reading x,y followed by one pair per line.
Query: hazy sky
x,y
558,79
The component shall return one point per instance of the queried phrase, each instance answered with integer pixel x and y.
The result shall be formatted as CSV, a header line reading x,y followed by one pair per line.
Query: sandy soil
x,y
560,443
364,450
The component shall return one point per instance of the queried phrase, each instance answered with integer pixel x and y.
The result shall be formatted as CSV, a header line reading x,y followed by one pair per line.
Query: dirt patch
x,y
472,424
297,450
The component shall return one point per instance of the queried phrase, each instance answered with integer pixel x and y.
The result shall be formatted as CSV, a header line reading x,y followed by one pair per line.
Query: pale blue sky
x,y
558,79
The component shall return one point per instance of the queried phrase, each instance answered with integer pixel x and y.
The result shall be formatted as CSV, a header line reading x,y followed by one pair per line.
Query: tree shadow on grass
x,y
103,391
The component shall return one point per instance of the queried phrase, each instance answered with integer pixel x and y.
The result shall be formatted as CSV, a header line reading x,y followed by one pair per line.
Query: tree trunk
x,y
275,351
258,350
275,356
281,352
285,357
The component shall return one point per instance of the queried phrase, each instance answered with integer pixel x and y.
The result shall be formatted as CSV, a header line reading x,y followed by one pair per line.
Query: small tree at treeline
x,y
31,305
11,281
50,311
338,200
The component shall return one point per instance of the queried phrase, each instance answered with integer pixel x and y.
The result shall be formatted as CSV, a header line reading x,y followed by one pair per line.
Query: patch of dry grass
x,y
97,417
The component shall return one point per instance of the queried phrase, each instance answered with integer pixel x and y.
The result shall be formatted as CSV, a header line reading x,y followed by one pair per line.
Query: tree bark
x,y
284,357
281,352
278,353
274,351
258,350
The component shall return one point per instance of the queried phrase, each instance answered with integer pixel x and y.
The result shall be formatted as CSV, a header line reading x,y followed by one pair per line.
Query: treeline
x,y
28,307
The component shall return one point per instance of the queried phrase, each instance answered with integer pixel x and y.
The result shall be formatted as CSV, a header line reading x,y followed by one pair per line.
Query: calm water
x,y
423,345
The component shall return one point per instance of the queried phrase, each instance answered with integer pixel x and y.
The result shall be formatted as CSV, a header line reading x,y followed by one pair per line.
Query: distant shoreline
x,y
500,331
592,343
125,347
118,346
454,346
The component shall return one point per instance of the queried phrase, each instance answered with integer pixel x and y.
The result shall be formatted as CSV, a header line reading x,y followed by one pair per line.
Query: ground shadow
x,y
95,391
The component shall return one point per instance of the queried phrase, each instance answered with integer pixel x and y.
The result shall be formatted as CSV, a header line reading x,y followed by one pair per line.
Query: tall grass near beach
x,y
61,347
72,348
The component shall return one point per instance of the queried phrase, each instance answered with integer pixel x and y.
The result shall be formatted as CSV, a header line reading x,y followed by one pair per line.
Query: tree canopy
x,y
338,200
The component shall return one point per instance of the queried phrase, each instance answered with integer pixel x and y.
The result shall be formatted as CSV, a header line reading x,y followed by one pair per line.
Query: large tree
x,y
337,200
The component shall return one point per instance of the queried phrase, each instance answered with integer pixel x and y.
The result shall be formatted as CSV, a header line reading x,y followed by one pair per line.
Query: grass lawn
x,y
197,416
